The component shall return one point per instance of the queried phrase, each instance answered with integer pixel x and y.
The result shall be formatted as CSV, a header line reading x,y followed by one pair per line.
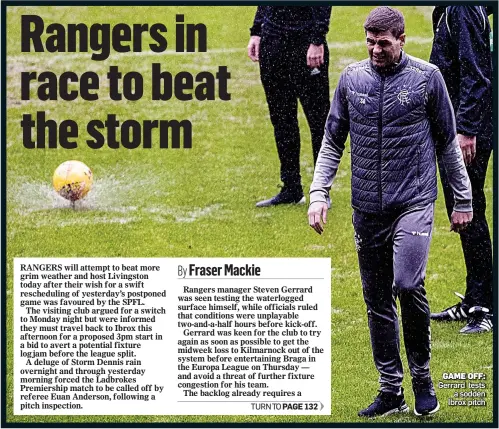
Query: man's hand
x,y
460,220
254,48
315,56
468,147
317,212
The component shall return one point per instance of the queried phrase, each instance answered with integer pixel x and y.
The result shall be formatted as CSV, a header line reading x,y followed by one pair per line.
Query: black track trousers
x,y
393,253
475,239
286,78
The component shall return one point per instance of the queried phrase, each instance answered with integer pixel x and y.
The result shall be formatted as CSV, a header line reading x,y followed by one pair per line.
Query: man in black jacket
x,y
398,113
461,50
290,44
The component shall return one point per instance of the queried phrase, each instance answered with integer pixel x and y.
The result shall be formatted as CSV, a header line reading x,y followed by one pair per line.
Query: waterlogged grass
x,y
200,202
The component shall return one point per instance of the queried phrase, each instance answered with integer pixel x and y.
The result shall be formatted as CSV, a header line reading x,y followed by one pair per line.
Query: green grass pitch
x,y
200,202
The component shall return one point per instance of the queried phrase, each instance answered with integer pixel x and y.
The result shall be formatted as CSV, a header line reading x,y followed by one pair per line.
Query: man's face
x,y
384,48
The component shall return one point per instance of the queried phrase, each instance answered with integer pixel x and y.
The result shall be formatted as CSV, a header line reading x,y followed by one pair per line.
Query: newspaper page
x,y
164,261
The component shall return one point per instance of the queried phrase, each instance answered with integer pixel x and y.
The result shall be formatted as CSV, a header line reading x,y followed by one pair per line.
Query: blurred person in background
x,y
461,50
290,44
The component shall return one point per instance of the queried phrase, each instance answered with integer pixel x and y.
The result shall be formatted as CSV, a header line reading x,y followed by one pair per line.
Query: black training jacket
x,y
461,50
397,119
309,22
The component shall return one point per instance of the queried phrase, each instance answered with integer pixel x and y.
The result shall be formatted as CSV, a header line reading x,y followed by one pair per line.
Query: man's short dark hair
x,y
385,18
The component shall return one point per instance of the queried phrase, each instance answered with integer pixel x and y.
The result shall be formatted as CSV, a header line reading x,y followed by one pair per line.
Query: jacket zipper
x,y
380,134
419,170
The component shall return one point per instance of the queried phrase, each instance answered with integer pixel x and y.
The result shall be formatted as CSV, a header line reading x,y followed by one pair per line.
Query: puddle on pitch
x,y
106,200
105,195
